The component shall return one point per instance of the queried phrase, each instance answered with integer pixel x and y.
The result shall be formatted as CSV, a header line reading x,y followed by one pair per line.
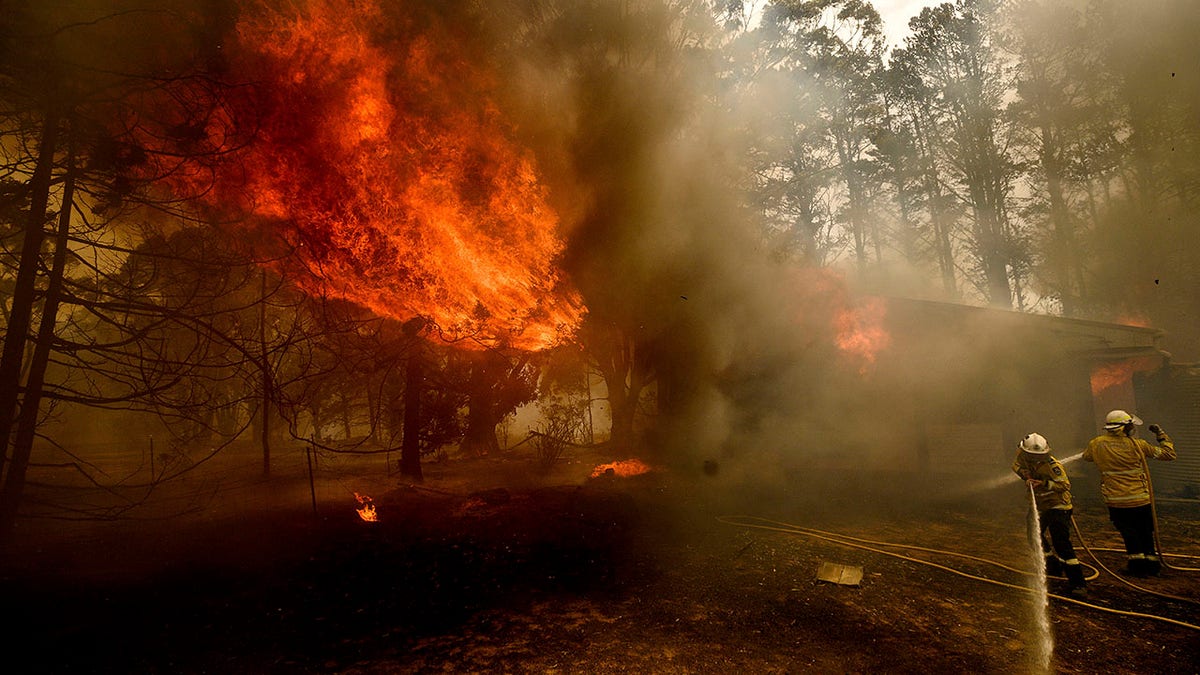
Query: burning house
x,y
961,385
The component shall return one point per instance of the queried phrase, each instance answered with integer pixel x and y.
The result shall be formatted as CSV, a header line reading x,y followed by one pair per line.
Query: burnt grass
x,y
608,575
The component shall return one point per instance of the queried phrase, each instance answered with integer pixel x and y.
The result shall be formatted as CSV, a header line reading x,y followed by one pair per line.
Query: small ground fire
x,y
623,468
366,508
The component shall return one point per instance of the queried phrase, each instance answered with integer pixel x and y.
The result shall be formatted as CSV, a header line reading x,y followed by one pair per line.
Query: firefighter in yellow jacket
x,y
1125,485
1052,493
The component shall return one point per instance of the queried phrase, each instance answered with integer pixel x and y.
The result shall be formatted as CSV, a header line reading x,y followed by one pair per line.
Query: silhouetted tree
x,y
952,51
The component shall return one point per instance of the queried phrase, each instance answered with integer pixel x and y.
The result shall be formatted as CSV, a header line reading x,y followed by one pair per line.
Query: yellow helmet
x,y
1119,418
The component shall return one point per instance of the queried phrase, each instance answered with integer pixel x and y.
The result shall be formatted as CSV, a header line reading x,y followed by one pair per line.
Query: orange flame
x,y
382,160
1134,320
366,509
623,468
860,331
1120,374
1111,375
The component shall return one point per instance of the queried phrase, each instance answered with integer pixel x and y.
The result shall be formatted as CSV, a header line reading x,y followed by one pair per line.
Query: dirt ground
x,y
478,570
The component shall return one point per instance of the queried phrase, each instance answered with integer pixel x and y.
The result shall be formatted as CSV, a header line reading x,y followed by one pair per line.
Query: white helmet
x,y
1034,444
1119,418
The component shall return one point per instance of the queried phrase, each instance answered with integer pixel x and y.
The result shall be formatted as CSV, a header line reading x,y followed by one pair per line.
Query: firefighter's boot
x,y
1076,584
1135,566
1053,566
1153,566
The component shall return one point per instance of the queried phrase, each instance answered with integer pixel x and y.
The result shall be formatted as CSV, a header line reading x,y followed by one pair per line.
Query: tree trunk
x,y
375,419
1064,263
623,377
265,405
24,291
938,218
482,405
999,289
347,426
623,414
27,421
856,208
410,445
314,411
986,192
480,436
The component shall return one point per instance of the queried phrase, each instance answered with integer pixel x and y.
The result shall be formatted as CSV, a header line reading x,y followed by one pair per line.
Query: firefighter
x,y
1052,494
1125,485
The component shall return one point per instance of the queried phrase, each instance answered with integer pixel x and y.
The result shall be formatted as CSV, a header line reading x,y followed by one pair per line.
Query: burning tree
x,y
397,185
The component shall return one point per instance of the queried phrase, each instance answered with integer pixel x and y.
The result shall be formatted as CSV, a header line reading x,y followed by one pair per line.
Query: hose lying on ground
x,y
756,522
1120,578
1157,546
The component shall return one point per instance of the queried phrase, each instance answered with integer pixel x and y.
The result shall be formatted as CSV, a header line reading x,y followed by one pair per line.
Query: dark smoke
x,y
643,155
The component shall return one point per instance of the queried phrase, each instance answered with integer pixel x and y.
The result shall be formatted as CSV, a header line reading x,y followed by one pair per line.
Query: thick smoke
x,y
643,157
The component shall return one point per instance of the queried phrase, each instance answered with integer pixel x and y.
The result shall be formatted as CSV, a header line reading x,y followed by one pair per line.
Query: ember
x,y
366,509
624,468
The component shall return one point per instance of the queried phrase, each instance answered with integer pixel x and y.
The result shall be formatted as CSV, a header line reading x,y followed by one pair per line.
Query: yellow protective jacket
x,y
1124,476
1055,492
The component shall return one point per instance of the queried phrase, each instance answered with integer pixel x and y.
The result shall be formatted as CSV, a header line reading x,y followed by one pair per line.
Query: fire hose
x,y
756,522
1121,578
1154,518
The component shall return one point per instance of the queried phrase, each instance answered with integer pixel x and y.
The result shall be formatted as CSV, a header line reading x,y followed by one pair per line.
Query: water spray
x,y
1044,644
1010,477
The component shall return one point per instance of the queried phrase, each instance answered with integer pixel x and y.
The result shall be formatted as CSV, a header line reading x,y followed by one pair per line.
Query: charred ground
x,y
579,575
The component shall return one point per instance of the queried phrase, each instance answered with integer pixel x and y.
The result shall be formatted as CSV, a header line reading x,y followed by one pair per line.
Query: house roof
x,y
1091,339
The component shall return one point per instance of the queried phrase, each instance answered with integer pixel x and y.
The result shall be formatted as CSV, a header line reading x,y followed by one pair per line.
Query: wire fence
x,y
145,478
149,480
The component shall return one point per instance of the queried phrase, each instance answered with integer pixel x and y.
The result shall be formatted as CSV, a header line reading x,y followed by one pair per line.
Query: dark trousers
x,y
1057,524
1136,525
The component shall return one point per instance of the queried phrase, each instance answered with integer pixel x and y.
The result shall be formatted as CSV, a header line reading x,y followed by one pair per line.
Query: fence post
x,y
312,485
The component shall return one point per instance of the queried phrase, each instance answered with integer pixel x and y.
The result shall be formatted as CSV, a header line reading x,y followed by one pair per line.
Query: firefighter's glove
x,y
1155,429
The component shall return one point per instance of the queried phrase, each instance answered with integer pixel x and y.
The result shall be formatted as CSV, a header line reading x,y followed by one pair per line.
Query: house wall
x,y
980,380
1171,397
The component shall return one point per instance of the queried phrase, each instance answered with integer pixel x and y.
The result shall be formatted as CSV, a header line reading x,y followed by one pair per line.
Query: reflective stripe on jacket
x,y
1055,492
1124,481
